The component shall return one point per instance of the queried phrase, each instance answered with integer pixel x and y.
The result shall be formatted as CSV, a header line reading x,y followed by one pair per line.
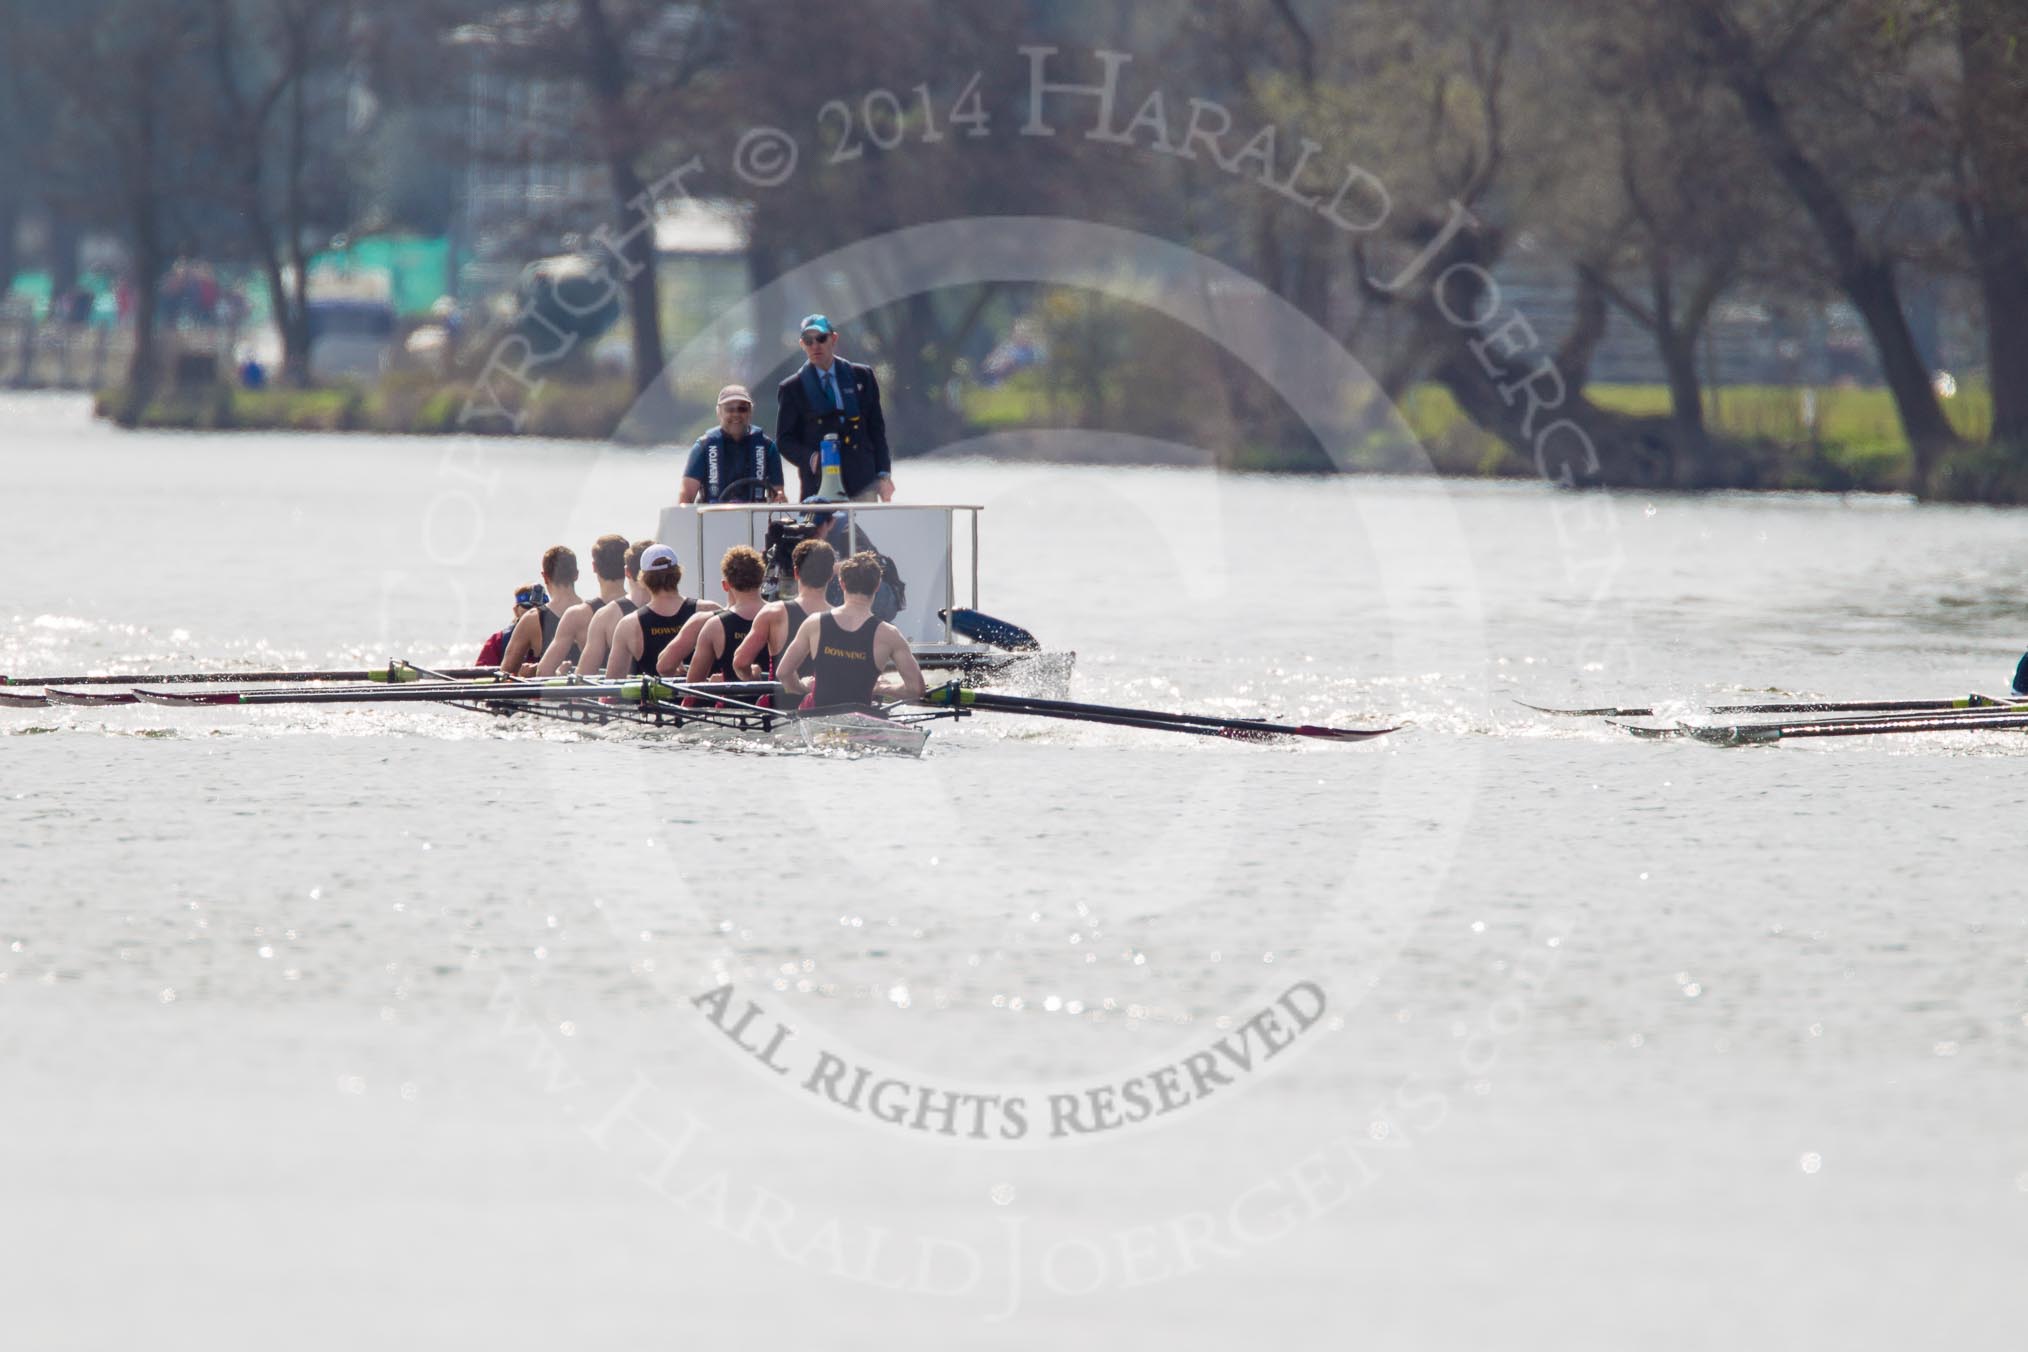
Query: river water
x,y
342,1027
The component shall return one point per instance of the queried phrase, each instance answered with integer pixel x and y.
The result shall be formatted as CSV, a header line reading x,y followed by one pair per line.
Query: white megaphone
x,y
831,487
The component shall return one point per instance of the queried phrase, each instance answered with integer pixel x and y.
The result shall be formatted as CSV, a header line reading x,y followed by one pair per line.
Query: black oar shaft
x,y
513,691
1207,725
1992,722
400,671
1075,708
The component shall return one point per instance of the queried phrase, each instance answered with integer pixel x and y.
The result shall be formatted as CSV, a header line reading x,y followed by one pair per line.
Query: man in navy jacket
x,y
830,395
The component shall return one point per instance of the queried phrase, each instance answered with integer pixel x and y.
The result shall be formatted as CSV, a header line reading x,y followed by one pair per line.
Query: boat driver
x,y
734,452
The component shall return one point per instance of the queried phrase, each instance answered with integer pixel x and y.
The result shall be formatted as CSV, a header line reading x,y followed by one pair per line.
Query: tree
x,y
895,146
1992,184
273,134
1839,62
623,72
125,76
1677,217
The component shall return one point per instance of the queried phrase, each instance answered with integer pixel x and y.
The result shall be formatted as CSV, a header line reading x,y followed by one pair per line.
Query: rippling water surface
x,y
326,1027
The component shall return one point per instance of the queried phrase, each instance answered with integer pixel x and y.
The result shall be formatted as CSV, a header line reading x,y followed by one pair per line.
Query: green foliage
x,y
1857,444
338,409
1017,401
1991,473
590,411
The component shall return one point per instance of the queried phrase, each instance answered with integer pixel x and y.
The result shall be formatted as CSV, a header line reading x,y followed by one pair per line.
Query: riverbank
x,y
403,405
1835,439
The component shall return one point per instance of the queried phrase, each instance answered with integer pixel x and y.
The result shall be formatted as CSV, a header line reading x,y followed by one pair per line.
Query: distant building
x,y
535,187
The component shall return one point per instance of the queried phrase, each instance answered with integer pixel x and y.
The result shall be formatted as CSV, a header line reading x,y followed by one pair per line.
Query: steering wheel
x,y
745,485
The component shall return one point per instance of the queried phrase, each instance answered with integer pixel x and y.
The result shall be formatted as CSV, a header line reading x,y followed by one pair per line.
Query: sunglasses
x,y
737,408
533,596
817,339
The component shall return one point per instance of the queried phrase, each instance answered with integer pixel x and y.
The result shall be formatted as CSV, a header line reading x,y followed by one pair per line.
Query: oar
x,y
1856,706
1204,725
325,694
1752,734
996,633
15,691
393,672
636,690
1941,717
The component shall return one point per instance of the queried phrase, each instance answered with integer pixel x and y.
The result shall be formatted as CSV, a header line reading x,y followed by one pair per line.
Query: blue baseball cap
x,y
817,322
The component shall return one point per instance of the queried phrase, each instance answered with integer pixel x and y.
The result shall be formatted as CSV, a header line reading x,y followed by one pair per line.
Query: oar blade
x,y
184,698
991,631
1324,734
90,699
1610,711
1735,734
1647,731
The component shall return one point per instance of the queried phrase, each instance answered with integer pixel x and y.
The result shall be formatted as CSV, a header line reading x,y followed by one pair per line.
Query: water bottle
x,y
831,488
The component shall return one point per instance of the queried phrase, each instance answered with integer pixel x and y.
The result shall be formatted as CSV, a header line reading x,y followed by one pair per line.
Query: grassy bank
x,y
402,404
1834,438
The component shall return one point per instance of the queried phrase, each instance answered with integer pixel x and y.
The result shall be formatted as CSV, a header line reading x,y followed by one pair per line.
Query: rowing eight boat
x,y
718,710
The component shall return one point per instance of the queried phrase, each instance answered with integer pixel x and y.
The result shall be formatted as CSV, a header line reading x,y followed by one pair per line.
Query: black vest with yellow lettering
x,y
845,667
658,632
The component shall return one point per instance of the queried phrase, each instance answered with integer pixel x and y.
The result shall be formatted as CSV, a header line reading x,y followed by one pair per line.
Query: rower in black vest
x,y
663,630
600,627
533,631
740,572
850,647
733,629
567,656
576,650
658,632
793,614
845,670
568,642
778,623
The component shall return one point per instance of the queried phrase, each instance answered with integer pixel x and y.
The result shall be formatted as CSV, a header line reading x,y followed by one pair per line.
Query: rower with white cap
x,y
733,455
642,637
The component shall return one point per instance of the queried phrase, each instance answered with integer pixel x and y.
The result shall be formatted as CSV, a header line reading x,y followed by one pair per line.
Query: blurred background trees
x,y
1704,233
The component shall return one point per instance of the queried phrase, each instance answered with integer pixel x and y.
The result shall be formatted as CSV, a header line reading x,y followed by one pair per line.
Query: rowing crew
x,y
553,627
641,624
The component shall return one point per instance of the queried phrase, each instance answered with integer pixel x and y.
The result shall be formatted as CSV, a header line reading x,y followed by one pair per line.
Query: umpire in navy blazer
x,y
830,395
